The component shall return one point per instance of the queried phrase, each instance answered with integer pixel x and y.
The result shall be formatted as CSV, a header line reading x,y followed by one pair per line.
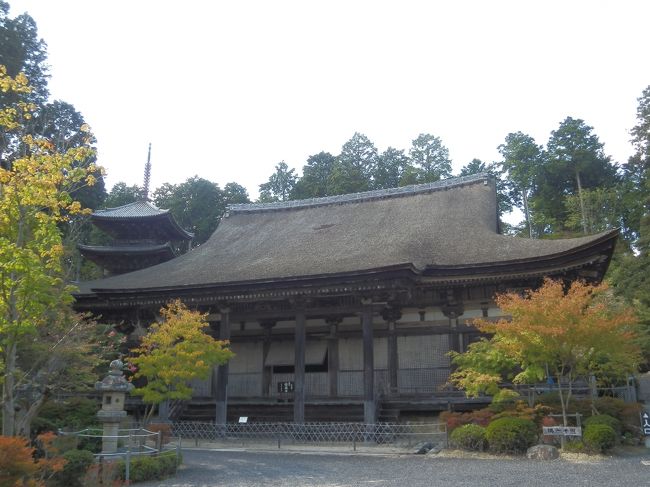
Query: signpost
x,y
645,426
562,430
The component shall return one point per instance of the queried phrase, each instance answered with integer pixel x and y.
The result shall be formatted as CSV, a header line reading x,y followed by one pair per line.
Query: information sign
x,y
645,424
562,430
286,387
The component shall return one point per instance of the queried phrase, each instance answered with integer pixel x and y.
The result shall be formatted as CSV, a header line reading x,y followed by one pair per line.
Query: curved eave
x,y
134,250
323,285
166,217
597,253
403,269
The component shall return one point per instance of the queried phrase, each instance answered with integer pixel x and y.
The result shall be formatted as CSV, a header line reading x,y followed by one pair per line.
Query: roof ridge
x,y
148,203
362,196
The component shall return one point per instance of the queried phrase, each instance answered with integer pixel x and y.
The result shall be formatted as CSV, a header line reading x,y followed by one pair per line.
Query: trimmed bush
x,y
575,446
511,435
150,468
522,411
145,468
613,423
77,463
599,437
469,437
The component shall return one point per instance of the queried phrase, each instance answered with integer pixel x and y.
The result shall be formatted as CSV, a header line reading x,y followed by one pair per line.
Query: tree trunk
x,y
8,396
24,416
582,203
527,213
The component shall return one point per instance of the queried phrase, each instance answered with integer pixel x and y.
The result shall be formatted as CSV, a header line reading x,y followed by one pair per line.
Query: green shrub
x,y
504,399
599,437
521,410
613,423
169,463
611,406
469,437
77,463
74,414
145,468
511,435
92,444
150,468
575,446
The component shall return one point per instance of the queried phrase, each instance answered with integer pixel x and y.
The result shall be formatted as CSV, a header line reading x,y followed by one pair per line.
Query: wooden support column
x,y
221,393
391,315
452,310
299,366
369,407
266,346
333,355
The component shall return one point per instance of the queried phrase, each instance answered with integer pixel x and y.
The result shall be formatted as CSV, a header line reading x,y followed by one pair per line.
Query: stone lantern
x,y
114,388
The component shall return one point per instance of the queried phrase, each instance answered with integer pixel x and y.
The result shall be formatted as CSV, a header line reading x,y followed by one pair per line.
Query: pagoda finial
x,y
147,176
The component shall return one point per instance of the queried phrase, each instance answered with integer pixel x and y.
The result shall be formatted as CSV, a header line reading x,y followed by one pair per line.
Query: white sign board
x,y
562,430
645,424
243,419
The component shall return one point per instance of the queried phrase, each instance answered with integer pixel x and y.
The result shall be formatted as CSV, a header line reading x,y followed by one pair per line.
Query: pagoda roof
x,y
140,219
446,231
118,259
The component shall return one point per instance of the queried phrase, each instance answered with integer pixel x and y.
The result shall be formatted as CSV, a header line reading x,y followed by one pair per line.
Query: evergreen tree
x,y
280,184
121,194
354,167
575,161
522,161
392,168
316,174
234,193
430,158
197,205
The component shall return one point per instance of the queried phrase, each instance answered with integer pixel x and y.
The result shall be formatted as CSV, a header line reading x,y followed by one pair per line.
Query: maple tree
x,y
173,353
35,199
563,333
18,466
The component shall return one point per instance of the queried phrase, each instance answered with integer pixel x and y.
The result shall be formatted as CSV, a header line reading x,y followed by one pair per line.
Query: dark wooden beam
x,y
391,315
221,395
299,367
369,409
333,355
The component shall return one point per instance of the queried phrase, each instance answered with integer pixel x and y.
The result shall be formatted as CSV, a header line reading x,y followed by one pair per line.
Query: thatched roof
x,y
446,225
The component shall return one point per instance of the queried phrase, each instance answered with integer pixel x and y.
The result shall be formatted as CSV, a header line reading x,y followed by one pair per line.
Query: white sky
x,y
226,89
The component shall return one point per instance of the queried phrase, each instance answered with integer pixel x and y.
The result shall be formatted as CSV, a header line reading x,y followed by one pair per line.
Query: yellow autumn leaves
x,y
174,352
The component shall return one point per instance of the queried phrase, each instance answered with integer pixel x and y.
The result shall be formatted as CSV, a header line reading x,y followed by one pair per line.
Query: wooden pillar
x,y
391,315
299,367
454,343
369,409
221,394
452,310
333,355
266,346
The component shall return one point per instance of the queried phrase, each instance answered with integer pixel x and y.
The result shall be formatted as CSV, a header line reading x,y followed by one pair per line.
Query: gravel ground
x,y
248,469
